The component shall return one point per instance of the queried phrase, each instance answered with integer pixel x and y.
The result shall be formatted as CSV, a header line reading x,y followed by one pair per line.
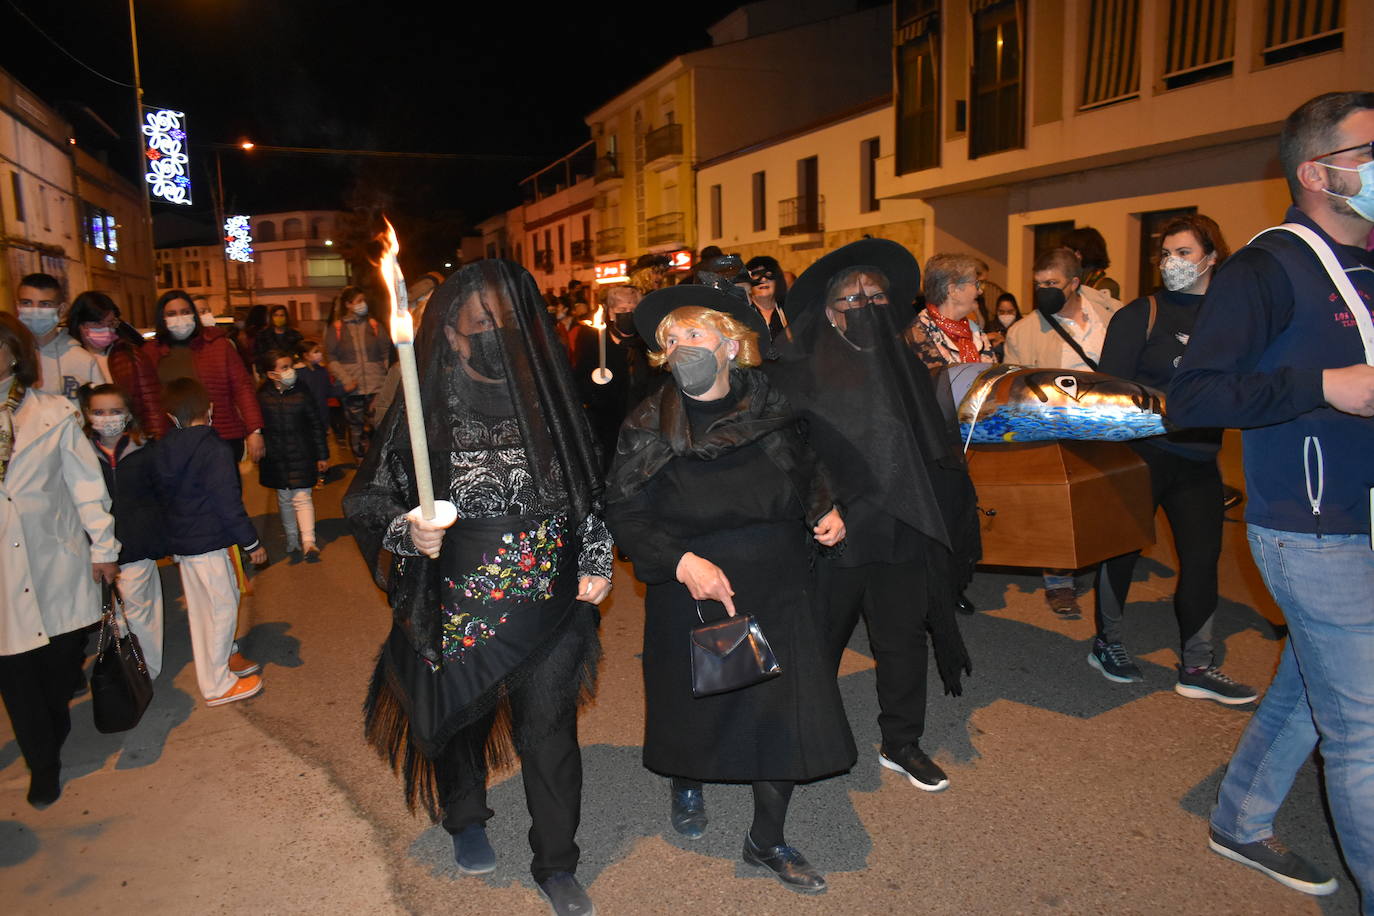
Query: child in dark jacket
x,y
198,483
126,458
315,377
297,451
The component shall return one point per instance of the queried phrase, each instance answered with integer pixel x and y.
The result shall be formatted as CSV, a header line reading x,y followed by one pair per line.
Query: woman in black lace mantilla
x,y
494,642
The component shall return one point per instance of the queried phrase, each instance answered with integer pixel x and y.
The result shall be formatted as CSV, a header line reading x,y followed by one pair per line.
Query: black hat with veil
x,y
876,418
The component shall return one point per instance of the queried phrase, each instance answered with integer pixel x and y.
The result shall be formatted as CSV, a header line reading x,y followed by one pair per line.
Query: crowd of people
x,y
766,444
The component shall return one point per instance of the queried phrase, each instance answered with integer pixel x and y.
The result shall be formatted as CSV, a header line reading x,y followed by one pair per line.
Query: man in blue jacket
x,y
1284,349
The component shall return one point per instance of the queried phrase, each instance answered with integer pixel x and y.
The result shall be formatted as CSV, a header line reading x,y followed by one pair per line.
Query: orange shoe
x,y
241,666
246,687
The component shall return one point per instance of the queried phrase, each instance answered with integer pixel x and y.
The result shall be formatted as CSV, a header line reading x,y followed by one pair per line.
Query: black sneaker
x,y
912,762
472,850
565,896
1275,860
1114,662
1211,684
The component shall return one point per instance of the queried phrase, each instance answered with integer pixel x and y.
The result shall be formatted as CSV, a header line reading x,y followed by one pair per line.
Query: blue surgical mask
x,y
1362,202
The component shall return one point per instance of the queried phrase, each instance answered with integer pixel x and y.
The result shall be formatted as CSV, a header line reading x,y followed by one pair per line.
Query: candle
x,y
601,375
403,336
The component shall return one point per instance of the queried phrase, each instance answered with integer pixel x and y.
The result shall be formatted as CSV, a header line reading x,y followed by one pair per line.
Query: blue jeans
x,y
1323,692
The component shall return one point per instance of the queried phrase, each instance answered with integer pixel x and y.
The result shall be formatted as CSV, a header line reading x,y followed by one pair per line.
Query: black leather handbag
x,y
729,655
120,687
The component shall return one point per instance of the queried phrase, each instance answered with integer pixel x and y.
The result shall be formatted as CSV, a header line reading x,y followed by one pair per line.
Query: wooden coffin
x,y
1061,505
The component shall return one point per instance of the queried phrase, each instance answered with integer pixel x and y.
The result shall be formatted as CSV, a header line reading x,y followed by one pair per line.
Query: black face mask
x,y
1049,300
861,327
625,324
485,354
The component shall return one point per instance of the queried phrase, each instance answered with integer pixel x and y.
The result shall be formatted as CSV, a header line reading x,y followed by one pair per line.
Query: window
x,y
18,189
293,228
918,97
267,231
868,176
1200,41
562,249
997,116
1112,54
1151,235
760,202
715,212
586,227
1051,235
1297,28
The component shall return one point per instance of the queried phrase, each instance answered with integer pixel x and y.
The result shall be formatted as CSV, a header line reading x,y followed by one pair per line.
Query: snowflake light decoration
x,y
238,239
164,133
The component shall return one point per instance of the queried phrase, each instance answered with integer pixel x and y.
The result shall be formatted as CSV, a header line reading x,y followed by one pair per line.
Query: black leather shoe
x,y
964,606
565,896
472,851
44,788
688,814
787,864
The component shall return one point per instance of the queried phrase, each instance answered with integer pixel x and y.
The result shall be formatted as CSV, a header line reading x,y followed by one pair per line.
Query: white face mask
x,y
207,319
181,326
1006,320
38,320
110,426
287,378
360,309
1180,273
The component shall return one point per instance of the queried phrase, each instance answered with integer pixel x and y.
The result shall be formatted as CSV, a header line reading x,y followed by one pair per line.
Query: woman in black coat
x,y
719,501
297,450
278,335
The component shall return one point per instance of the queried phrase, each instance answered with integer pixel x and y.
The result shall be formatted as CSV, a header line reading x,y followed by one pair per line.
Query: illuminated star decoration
x,y
238,239
165,147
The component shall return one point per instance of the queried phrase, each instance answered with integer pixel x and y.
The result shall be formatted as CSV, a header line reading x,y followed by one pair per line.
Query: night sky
x,y
490,79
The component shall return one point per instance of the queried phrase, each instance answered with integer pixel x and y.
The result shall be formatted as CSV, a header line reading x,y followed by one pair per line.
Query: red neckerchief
x,y
958,331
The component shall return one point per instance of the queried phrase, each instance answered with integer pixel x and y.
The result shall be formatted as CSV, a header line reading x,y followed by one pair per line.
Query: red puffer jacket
x,y
222,373
132,368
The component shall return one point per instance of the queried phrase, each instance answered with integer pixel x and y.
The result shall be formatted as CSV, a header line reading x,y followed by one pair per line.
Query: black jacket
x,y
269,338
198,485
129,477
294,436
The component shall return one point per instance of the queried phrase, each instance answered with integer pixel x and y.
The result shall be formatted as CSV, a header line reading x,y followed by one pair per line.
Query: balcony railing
x,y
580,251
611,241
608,169
665,228
665,141
801,215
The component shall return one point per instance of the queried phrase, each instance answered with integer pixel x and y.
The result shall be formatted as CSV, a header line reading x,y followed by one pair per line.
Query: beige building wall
x,y
125,274
838,148
38,205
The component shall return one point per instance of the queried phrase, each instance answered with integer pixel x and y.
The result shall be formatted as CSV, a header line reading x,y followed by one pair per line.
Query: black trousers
x,y
892,599
37,688
550,766
1190,493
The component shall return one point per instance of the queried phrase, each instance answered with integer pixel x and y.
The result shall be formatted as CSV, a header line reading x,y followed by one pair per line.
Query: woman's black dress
x,y
736,485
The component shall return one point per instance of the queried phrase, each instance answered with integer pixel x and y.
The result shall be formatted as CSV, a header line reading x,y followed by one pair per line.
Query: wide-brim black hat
x,y
656,306
902,270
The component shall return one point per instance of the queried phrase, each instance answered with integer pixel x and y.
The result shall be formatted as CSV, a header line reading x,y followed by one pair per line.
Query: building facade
x,y
801,195
295,264
773,67
1016,120
554,229
65,213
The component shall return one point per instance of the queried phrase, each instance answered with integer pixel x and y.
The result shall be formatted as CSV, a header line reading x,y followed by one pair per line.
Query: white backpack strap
x,y
1337,274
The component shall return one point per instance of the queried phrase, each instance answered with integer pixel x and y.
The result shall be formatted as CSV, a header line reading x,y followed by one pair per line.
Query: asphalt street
x,y
1069,794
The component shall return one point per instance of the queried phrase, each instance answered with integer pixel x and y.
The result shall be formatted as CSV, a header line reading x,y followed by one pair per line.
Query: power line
x,y
376,153
25,16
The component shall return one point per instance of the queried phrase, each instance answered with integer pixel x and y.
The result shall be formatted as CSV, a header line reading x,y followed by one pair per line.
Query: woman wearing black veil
x,y
893,450
494,643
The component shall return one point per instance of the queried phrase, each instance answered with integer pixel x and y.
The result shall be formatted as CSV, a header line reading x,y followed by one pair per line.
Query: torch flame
x,y
402,328
598,322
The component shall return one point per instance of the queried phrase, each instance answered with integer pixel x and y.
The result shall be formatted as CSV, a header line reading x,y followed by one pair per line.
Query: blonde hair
x,y
696,316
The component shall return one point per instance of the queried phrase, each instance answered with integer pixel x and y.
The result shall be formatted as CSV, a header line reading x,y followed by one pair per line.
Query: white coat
x,y
54,522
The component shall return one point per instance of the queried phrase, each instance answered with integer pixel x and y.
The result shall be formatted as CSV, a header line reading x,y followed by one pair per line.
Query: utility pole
x,y
219,225
142,167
